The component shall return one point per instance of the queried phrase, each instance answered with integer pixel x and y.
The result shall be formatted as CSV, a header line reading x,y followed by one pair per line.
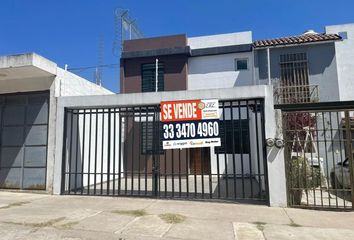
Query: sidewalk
x,y
39,216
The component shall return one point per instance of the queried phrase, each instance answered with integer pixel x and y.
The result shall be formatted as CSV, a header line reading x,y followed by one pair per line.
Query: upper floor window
x,y
148,77
241,64
343,35
294,79
293,69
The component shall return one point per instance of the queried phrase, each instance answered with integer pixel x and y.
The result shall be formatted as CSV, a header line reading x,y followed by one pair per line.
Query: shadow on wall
x,y
243,78
319,59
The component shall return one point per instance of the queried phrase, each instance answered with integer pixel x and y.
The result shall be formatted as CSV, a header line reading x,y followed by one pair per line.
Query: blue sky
x,y
67,32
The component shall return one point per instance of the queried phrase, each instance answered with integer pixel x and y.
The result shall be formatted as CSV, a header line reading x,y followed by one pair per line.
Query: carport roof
x,y
28,65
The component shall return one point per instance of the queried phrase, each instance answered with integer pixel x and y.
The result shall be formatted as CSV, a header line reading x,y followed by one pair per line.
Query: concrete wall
x,y
275,167
65,84
344,56
322,67
69,84
220,40
219,71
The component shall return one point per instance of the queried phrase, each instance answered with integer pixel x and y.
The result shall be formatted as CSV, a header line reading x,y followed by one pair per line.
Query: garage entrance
x,y
23,140
117,151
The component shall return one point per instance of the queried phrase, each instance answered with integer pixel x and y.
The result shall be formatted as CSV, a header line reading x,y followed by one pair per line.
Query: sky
x,y
69,31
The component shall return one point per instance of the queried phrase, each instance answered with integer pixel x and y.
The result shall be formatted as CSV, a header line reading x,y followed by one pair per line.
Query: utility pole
x,y
157,75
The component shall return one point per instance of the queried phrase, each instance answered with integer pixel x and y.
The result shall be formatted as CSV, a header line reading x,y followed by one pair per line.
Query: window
x,y
241,64
148,77
237,137
147,138
343,35
294,78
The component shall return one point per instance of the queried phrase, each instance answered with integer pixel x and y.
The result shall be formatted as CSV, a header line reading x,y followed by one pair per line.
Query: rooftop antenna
x,y
126,28
98,69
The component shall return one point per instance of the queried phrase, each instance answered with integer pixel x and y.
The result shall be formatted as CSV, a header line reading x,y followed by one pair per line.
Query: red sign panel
x,y
176,111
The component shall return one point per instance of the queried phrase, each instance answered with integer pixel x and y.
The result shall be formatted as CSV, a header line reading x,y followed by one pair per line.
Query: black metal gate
x,y
319,154
117,151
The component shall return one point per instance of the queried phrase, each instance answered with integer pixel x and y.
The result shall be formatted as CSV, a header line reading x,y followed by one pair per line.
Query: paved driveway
x,y
39,216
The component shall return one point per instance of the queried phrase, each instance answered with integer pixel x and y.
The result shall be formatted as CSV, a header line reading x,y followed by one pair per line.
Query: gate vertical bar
x,y
257,148
350,152
225,152
70,151
96,136
233,149
132,147
146,147
341,155
114,150
109,152
89,155
325,144
125,155
241,147
102,151
77,147
120,150
139,154
249,150
265,161
63,167
83,152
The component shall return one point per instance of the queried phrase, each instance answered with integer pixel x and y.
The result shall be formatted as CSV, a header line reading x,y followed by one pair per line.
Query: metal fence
x,y
319,154
117,151
296,94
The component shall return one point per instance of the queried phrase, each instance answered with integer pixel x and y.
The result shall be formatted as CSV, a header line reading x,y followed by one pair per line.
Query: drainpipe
x,y
268,64
156,75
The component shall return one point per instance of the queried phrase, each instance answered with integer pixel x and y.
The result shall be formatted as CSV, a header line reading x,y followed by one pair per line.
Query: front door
x,y
200,160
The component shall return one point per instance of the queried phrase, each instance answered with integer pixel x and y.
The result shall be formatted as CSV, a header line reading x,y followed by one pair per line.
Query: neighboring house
x,y
29,86
302,68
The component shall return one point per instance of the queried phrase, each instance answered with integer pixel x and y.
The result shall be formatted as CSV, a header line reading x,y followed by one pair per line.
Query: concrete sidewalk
x,y
39,216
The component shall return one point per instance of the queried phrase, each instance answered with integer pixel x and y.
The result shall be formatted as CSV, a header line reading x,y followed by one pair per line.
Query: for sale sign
x,y
190,123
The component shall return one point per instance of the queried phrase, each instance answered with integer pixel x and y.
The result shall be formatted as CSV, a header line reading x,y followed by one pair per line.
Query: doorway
x,y
200,161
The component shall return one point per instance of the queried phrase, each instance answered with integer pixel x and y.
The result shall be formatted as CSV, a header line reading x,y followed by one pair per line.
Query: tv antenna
x,y
126,28
100,53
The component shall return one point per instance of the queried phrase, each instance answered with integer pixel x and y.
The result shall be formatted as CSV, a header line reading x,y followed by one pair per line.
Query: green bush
x,y
302,175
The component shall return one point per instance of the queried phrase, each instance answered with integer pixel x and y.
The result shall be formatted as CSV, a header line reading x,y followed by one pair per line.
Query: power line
x,y
92,67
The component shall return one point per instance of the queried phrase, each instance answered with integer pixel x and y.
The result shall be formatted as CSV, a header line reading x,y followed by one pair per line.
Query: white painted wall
x,y
69,84
91,152
345,60
219,71
220,40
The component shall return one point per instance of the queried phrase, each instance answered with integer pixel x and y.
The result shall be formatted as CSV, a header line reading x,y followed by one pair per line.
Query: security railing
x,y
296,94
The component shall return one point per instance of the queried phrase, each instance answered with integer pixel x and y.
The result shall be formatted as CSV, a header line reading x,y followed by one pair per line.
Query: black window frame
x,y
148,77
237,66
147,138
